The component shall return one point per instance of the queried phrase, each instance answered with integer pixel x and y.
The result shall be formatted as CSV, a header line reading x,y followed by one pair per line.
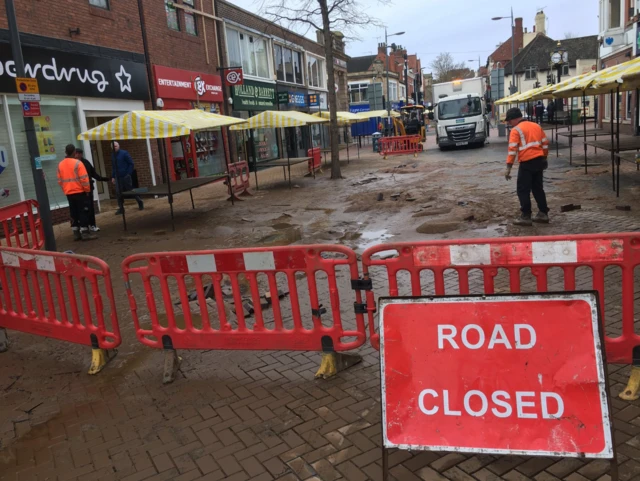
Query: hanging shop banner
x,y
46,146
173,83
76,75
233,76
494,374
254,95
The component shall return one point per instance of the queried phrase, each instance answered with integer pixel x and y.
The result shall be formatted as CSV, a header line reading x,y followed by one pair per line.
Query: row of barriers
x,y
307,298
400,145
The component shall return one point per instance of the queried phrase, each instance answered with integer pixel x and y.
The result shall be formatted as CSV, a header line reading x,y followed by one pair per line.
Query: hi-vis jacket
x,y
73,177
527,141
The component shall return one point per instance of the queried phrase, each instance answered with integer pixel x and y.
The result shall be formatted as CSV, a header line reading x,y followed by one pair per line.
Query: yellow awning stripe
x,y
275,119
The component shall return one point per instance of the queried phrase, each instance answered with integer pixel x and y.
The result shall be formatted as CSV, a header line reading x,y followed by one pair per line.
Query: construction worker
x,y
529,144
75,183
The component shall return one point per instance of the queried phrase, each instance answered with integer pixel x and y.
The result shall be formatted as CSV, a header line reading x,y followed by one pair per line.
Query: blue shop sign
x,y
355,108
297,99
314,100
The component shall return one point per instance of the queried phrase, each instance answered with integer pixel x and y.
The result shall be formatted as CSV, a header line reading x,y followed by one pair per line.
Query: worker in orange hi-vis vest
x,y
529,144
75,183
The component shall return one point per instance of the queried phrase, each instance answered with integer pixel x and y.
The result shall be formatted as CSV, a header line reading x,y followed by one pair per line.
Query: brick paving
x,y
261,415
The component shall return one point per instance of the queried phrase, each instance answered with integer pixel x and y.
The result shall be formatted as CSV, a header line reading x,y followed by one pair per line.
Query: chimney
x,y
525,29
381,49
541,22
519,35
534,29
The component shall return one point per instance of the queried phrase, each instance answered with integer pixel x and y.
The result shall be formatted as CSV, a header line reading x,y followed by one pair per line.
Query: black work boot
x,y
523,220
76,235
87,235
541,218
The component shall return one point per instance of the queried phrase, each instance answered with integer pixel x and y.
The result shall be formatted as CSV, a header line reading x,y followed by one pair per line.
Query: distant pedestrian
x,y
551,111
121,175
539,112
75,183
92,175
528,142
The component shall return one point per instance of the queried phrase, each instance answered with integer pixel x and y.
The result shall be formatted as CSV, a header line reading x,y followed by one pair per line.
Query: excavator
x,y
411,122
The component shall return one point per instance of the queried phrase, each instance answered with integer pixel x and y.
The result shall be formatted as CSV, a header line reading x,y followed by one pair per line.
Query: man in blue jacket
x,y
121,171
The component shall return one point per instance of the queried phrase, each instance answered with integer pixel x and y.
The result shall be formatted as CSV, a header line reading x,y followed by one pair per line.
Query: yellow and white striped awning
x,y
506,100
528,95
157,124
625,76
376,113
548,91
276,119
343,117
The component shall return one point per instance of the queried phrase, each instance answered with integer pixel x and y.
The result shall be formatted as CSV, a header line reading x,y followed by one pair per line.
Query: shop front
x,y
250,99
201,154
296,139
77,91
319,132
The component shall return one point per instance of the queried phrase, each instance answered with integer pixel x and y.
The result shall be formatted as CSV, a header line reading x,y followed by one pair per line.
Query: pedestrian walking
x,y
529,144
121,175
75,183
91,171
539,112
551,111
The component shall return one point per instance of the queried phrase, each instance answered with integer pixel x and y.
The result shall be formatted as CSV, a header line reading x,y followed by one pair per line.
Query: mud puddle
x,y
373,237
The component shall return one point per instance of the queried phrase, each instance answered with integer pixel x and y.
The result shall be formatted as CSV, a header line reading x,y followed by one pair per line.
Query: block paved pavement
x,y
251,415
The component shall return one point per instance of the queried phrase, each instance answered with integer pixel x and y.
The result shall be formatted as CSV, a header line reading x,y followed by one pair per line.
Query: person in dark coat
x,y
92,175
122,170
551,111
539,112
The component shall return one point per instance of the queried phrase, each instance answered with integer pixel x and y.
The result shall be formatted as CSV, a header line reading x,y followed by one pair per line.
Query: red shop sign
x,y
173,83
233,76
513,374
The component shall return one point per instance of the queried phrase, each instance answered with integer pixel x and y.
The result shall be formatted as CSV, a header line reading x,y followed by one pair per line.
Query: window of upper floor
x,y
530,73
315,71
100,3
288,64
188,21
249,51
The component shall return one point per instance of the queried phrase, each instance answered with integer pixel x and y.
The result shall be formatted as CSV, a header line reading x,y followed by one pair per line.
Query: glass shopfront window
x,y
57,127
8,176
266,142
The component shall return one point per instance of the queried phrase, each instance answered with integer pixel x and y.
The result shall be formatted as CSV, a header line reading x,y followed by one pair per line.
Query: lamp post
x,y
386,53
513,50
479,64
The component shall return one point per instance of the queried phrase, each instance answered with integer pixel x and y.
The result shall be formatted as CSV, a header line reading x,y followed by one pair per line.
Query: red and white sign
x,y
31,109
233,76
515,374
173,83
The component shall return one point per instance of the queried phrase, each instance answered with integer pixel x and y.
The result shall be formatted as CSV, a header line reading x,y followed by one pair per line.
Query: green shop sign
x,y
254,96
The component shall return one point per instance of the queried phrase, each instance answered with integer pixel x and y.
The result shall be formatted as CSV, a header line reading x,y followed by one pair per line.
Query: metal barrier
x,y
540,264
62,296
315,161
239,178
237,301
21,225
400,145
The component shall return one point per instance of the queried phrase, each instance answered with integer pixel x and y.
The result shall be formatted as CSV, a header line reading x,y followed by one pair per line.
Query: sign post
x,y
494,375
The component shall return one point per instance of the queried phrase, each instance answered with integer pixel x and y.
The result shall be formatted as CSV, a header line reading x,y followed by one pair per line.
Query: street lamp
x,y
479,64
386,53
513,49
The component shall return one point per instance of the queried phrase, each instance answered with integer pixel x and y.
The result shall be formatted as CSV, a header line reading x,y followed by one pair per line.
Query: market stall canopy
x,y
157,124
506,100
343,117
376,113
626,76
548,90
528,95
275,119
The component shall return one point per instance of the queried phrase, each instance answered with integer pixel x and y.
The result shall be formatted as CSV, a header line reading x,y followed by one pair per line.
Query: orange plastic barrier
x,y
62,296
21,225
315,162
605,263
400,145
239,178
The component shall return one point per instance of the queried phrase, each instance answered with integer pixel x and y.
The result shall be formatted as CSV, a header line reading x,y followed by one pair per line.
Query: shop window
x,y
57,127
100,3
315,71
249,51
190,25
172,15
8,176
358,92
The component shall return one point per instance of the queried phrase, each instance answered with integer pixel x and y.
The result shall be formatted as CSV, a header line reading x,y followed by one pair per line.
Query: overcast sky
x,y
464,27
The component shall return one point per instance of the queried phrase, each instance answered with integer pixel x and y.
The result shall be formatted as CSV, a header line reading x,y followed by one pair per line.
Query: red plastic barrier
x,y
605,263
227,304
400,145
21,226
62,296
315,162
239,177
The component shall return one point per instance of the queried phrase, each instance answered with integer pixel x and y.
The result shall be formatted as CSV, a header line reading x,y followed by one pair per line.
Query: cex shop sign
x,y
173,83
515,374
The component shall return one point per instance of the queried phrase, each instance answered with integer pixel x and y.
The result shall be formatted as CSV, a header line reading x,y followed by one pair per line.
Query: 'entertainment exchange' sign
x,y
254,96
63,73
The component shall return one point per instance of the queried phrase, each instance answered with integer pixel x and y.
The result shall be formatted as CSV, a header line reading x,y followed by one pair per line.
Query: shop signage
x,y
314,100
63,73
31,109
254,95
173,83
233,76
283,98
356,108
513,374
297,99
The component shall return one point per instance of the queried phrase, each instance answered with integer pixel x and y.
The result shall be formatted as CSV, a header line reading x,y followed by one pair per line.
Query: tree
x,y
326,16
445,69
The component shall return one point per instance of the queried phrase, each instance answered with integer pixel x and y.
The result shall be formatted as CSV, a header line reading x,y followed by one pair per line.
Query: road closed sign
x,y
514,374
